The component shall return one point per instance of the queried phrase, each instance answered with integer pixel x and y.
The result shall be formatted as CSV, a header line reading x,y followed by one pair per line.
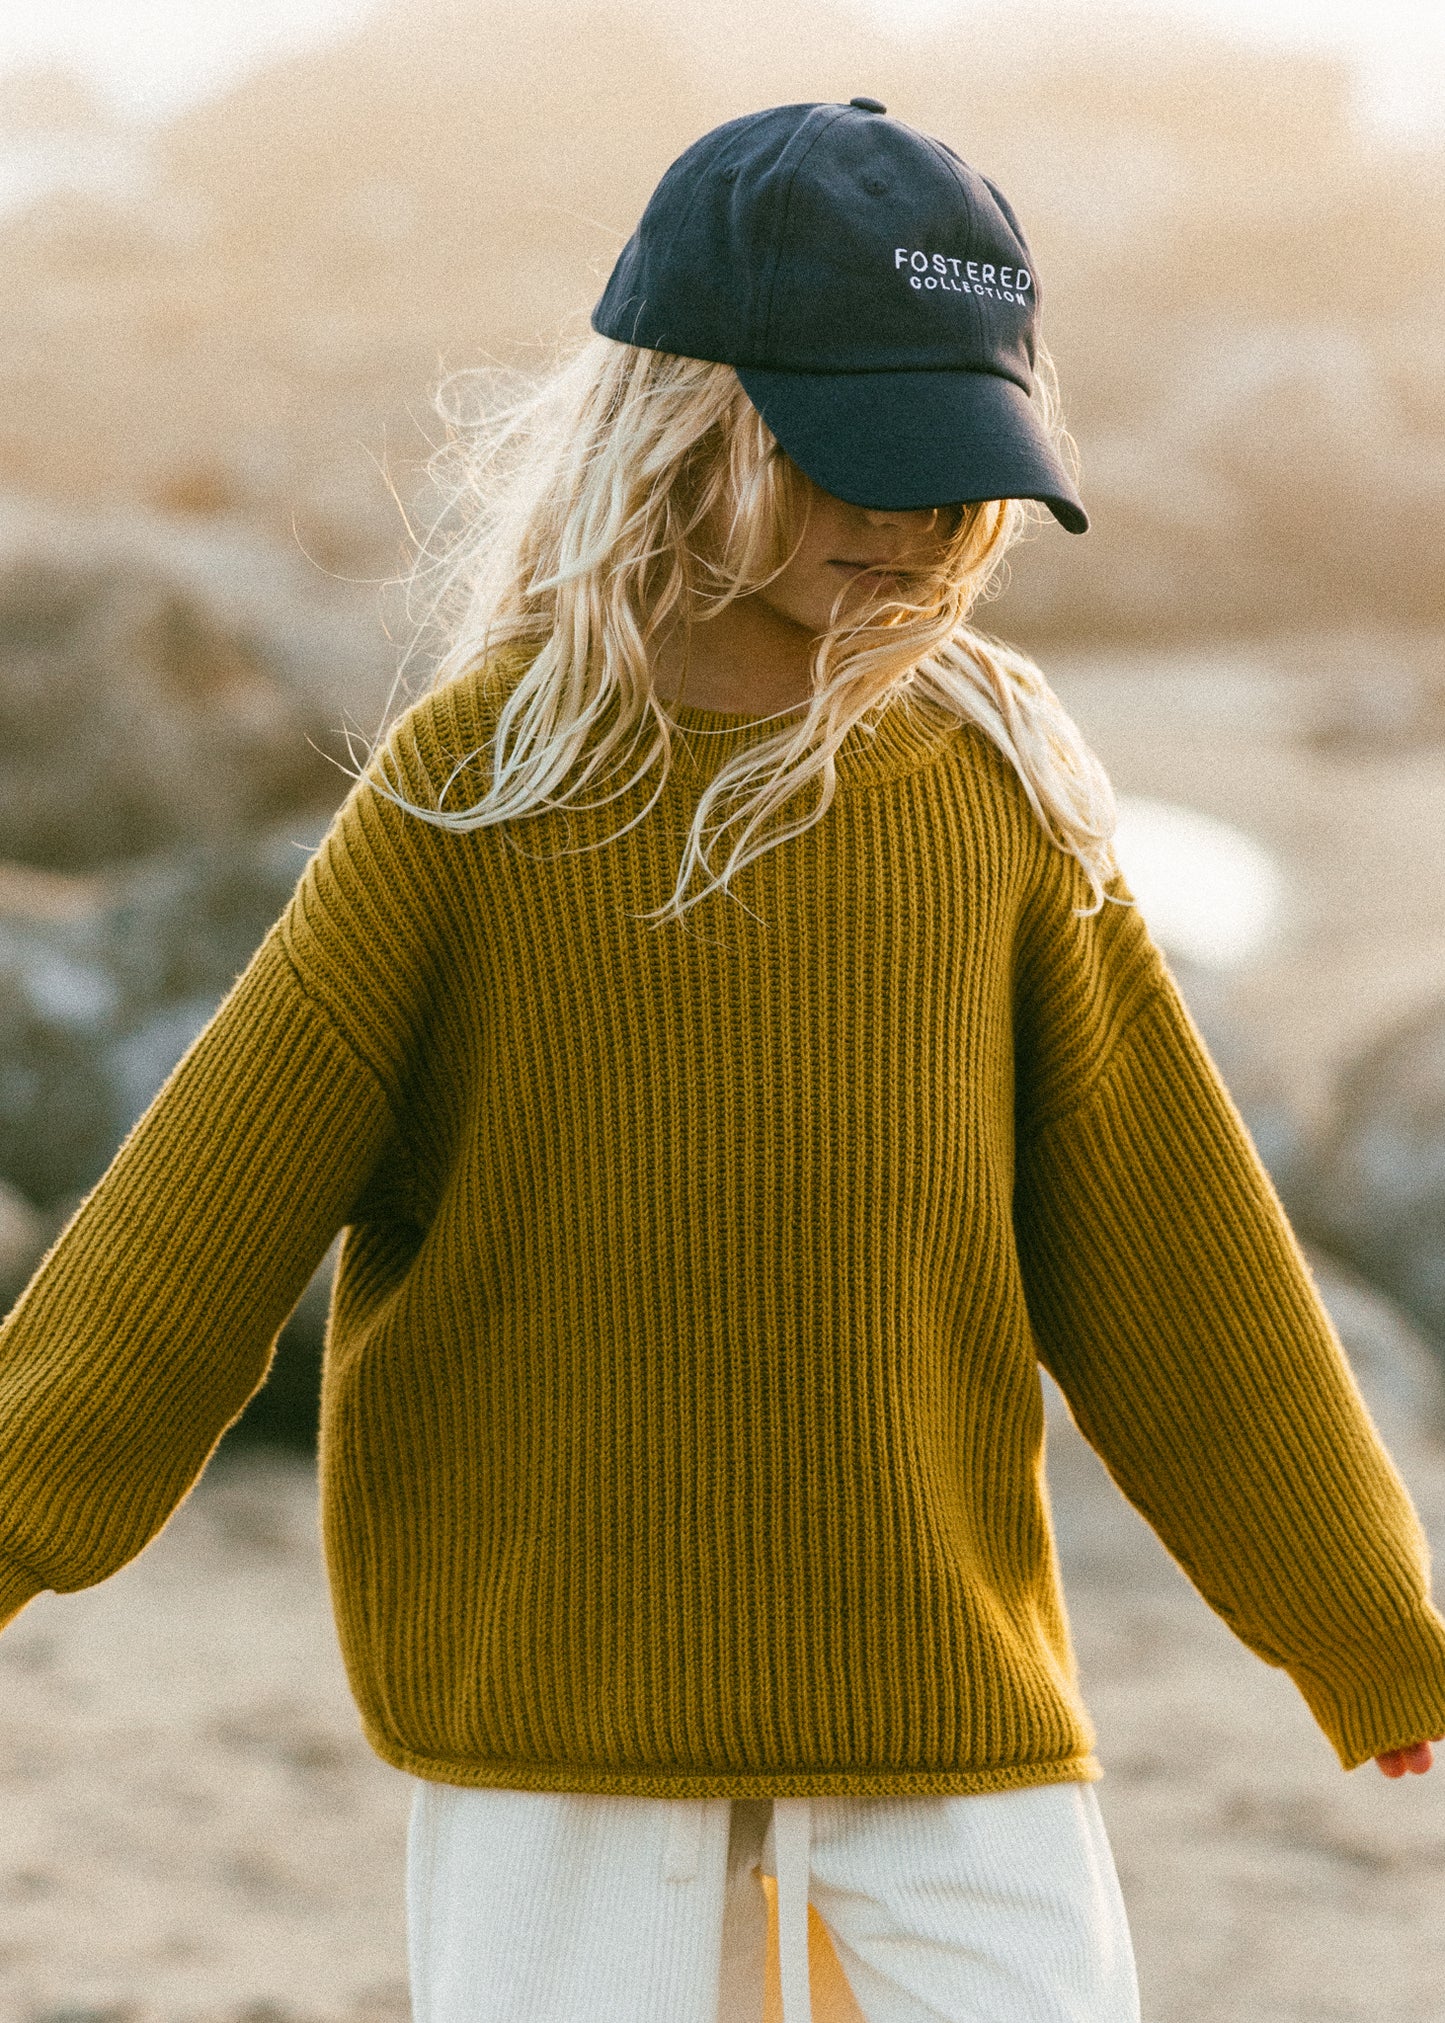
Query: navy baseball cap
x,y
874,294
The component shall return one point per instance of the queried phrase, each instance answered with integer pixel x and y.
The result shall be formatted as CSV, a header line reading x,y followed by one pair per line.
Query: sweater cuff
x,y
18,1585
1396,1696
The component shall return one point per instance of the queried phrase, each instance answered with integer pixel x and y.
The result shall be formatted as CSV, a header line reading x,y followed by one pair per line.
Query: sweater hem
x,y
861,1783
18,1588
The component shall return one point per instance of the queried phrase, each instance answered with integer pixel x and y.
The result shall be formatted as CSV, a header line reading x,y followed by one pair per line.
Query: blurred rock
x,y
177,933
1270,1115
1372,693
164,684
285,1411
103,984
58,1118
259,326
1398,1371
1374,1186
24,1233
1358,714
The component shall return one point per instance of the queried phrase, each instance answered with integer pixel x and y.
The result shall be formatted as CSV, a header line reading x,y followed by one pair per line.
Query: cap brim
x,y
897,441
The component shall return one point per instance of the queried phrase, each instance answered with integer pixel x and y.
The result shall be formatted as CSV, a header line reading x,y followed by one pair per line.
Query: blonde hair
x,y
571,534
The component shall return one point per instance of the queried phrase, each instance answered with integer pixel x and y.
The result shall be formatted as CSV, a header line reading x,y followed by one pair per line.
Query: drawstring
x,y
792,1858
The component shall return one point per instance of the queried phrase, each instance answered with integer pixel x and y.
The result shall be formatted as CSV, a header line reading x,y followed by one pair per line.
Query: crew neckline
x,y
905,738
911,733
726,716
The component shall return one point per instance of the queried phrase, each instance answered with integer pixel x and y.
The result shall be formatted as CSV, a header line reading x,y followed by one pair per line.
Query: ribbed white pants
x,y
559,1907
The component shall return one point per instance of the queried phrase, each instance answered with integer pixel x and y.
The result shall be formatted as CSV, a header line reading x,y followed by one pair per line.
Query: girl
x,y
706,1223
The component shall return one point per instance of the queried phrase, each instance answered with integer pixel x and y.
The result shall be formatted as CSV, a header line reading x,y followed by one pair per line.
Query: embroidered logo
x,y
963,277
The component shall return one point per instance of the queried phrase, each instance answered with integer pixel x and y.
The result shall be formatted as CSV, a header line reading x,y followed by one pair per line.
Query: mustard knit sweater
x,y
682,1431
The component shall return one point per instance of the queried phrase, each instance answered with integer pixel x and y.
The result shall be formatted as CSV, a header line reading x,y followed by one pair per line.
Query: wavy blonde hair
x,y
571,538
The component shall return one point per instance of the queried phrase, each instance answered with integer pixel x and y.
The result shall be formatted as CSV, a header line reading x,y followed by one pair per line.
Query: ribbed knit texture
x,y
593,1908
682,1429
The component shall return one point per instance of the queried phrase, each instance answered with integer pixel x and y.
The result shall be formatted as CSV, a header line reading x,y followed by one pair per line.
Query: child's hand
x,y
1417,1758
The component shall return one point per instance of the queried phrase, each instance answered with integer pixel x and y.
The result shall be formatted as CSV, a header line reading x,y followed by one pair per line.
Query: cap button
x,y
868,104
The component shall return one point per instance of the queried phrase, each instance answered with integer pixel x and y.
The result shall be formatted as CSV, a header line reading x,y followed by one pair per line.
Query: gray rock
x,y
58,1114
105,982
286,1410
1397,1369
139,1060
183,925
1271,1117
24,1233
163,684
1375,1186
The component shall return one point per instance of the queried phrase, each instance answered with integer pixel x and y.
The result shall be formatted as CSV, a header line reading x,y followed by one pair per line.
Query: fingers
x,y
1416,1759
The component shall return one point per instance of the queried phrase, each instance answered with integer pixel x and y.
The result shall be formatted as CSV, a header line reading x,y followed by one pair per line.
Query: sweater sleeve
x,y
153,1319
1171,1302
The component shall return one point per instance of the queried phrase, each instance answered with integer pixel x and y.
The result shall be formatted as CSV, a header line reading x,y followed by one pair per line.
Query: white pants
x,y
558,1907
